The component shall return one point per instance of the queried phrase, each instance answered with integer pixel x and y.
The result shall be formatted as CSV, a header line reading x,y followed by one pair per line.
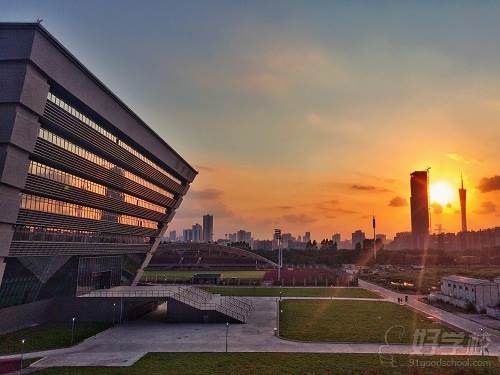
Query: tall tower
x,y
208,228
419,204
463,204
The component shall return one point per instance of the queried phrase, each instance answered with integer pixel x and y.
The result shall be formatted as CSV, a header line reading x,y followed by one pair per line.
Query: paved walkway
x,y
123,345
444,316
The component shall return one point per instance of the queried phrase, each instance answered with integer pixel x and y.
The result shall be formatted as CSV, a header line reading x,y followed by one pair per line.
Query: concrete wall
x,y
21,316
58,310
178,312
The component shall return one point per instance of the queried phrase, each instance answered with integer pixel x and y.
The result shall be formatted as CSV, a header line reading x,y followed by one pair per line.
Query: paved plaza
x,y
124,344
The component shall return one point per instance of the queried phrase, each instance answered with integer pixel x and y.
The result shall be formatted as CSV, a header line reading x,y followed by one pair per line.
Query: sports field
x,y
355,321
293,292
187,275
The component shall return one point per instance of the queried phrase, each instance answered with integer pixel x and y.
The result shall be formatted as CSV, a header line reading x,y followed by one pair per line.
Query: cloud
x,y
302,218
284,207
206,194
463,158
398,202
437,208
369,188
345,211
486,208
488,184
327,205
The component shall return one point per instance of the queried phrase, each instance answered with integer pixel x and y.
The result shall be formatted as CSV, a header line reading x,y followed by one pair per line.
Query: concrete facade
x,y
81,175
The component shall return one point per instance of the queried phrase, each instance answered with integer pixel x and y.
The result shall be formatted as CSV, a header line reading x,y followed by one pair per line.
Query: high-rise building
x,y
172,236
462,192
287,240
244,236
208,228
358,237
307,237
187,235
336,239
232,237
419,204
197,232
86,189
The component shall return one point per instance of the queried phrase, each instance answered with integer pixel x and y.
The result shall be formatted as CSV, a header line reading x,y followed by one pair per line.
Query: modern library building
x,y
86,187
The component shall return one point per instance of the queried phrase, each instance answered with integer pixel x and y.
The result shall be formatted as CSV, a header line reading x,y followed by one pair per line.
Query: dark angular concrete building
x,y
86,187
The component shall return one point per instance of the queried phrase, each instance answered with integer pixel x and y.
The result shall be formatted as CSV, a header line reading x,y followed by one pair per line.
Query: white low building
x,y
463,292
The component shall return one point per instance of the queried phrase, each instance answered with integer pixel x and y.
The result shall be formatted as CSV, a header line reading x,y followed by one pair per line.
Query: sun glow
x,y
441,192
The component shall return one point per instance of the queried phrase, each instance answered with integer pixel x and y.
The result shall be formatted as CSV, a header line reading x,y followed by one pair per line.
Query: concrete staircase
x,y
213,306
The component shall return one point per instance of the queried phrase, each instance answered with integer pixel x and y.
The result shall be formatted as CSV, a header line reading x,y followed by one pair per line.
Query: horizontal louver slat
x,y
58,157
54,189
44,219
107,148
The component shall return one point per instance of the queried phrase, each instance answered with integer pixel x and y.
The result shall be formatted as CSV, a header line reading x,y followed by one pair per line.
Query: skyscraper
x,y
419,203
358,237
307,237
172,236
196,232
208,228
463,205
187,235
336,238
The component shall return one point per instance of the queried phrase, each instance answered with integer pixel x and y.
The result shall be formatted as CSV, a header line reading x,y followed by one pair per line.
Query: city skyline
x,y
294,97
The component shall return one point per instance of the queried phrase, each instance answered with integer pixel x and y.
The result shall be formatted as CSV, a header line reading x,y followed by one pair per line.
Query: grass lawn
x,y
294,292
352,321
285,363
187,275
48,336
420,281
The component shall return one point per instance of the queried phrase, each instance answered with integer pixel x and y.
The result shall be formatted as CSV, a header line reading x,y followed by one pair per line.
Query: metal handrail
x,y
227,310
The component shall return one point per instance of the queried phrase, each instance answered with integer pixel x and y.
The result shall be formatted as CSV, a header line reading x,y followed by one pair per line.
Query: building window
x,y
66,107
77,150
36,203
54,174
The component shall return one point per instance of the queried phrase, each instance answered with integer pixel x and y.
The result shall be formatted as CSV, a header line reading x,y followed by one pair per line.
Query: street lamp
x,y
72,330
481,340
227,332
22,356
114,306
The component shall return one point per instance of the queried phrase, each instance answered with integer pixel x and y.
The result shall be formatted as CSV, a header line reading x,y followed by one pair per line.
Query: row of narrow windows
x,y
71,110
77,150
36,203
54,174
35,233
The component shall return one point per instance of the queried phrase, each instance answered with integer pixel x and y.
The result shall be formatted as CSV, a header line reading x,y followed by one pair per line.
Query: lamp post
x,y
114,306
481,341
227,332
72,330
277,235
22,357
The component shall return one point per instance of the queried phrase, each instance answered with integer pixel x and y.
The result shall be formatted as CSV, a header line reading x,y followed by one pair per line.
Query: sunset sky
x,y
304,115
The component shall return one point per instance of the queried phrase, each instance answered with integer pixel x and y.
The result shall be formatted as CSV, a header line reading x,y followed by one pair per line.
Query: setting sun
x,y
441,192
